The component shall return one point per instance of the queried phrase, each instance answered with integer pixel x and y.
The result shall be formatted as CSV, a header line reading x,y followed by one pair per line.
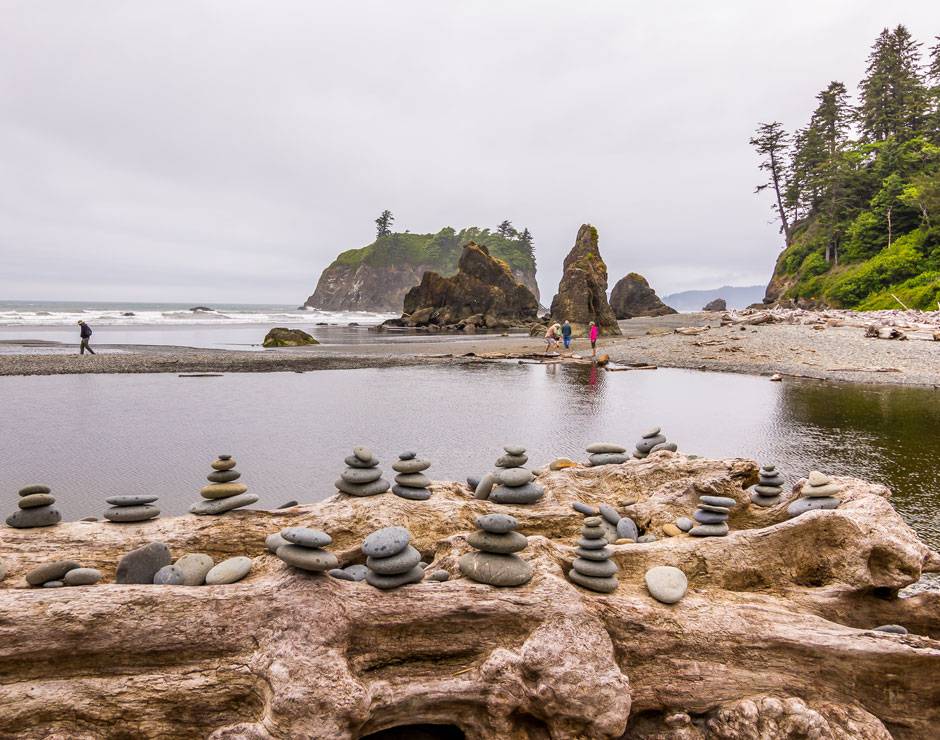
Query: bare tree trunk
x,y
775,174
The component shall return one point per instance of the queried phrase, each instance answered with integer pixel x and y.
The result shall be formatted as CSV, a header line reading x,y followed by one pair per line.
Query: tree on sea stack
x,y
771,143
383,224
506,230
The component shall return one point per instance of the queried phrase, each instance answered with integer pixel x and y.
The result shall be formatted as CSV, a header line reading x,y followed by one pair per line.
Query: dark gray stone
x,y
651,433
485,487
288,505
131,500
515,450
514,477
307,558
709,530
386,542
374,488
725,501
593,533
891,629
671,446
53,571
395,564
354,462
684,523
768,490
412,494
141,565
355,572
627,529
602,554
497,523
30,490
610,514
502,544
601,585
127,514
764,501
35,500
274,541
363,453
407,455
709,517
583,508
593,543
645,538
168,575
802,505
415,575
413,480
306,537
495,570
648,443
411,466
593,520
361,475
472,482
595,568
223,476
221,505
527,494
605,448
82,577
53,584
41,516
511,461
439,576
607,459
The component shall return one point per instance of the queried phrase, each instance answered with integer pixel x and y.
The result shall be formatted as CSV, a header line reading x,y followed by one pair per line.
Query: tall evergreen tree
x,y
771,143
383,224
892,95
933,80
506,230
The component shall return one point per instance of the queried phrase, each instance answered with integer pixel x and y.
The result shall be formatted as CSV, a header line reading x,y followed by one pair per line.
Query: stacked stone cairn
x,y
62,573
411,482
495,562
653,441
593,569
712,516
390,558
510,483
362,476
604,453
302,547
35,510
131,509
817,493
223,493
769,487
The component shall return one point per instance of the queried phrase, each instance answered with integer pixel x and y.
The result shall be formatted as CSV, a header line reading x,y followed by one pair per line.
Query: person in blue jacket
x,y
566,334
85,332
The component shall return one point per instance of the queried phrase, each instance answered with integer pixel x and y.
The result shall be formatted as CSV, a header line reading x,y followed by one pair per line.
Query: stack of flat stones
x,y
302,547
62,573
817,493
712,516
391,559
604,453
593,569
223,493
35,509
653,441
769,487
362,476
511,483
411,482
495,563
131,509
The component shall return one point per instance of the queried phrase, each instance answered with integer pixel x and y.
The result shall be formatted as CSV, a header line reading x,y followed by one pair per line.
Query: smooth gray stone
x,y
583,508
53,584
131,500
709,530
35,500
771,480
714,509
666,583
593,521
514,450
527,494
194,566
595,543
802,505
221,505
41,516
412,494
168,575
413,480
725,501
223,476
644,538
815,478
640,455
361,475
648,443
374,488
671,446
408,455
82,577
768,490
385,542
768,468
415,575
53,571
34,489
891,629
350,573
601,554
610,514
363,453
306,537
354,462
511,461
307,558
605,448
411,466
440,576
607,459
627,529
495,570
595,568
127,514
514,477
684,523
141,565
497,523
396,564
601,585
229,571
593,533
830,489
503,544
224,457
709,517
288,505
485,486
274,541
764,501
472,482
651,433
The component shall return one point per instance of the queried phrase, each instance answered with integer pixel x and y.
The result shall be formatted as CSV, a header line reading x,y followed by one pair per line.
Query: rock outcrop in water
x,y
773,639
582,292
283,337
633,296
483,294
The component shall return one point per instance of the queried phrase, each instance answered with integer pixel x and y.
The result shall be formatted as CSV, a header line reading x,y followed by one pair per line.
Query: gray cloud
x,y
226,151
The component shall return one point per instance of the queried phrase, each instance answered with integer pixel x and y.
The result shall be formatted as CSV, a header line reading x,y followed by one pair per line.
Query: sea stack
x,y
769,487
131,509
390,558
582,291
35,509
817,493
223,493
362,476
495,563
513,483
653,441
604,453
411,482
712,516
593,569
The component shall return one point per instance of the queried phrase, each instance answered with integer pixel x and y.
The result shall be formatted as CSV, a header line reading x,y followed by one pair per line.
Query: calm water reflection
x,y
94,436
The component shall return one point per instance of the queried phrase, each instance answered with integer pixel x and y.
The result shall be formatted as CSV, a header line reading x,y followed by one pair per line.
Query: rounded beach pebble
x,y
386,541
82,577
229,571
666,584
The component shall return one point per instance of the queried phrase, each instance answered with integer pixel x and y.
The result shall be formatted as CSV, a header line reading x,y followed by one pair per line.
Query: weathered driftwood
x,y
772,640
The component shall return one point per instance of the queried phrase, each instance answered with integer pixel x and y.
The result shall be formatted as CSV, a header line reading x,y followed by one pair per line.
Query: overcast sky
x,y
227,151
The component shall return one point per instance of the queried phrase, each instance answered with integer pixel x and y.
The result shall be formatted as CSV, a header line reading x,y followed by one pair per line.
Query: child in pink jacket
x,y
592,335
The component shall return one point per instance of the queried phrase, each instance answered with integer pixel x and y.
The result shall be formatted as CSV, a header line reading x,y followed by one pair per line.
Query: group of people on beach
x,y
563,332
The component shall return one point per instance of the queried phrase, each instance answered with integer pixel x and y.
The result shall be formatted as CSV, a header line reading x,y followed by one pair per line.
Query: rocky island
x,y
633,296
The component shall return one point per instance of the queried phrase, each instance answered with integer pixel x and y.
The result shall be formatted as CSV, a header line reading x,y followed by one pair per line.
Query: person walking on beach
x,y
85,332
551,337
566,334
592,335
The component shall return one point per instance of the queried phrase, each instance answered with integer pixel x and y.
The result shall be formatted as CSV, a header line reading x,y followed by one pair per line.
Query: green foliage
x,y
921,292
814,264
895,264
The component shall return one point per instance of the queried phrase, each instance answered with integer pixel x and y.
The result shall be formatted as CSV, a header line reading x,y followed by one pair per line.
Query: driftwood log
x,y
773,639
